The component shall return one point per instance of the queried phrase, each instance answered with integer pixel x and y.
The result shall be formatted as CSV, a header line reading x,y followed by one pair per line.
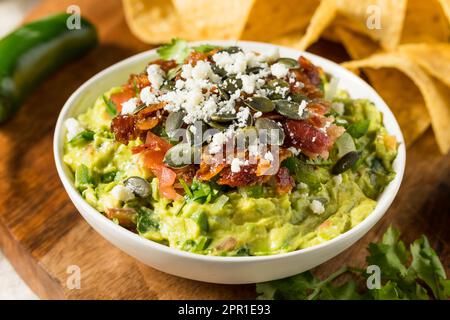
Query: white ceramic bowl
x,y
229,270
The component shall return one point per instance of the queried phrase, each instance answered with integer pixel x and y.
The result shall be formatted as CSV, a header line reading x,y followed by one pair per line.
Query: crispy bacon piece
x,y
124,128
284,182
319,106
245,177
305,136
138,80
309,75
165,65
311,71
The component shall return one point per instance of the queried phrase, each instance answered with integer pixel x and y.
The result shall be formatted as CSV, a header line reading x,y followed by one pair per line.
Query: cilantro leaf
x,y
177,50
390,255
204,48
428,267
398,280
110,106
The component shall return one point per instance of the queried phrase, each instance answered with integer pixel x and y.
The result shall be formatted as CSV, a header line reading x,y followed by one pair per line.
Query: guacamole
x,y
137,158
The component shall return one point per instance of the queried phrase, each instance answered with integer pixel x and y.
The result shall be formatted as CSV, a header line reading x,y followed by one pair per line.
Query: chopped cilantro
x,y
110,106
423,278
177,50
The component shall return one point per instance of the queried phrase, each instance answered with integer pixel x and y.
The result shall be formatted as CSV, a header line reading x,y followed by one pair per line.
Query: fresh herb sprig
x,y
414,274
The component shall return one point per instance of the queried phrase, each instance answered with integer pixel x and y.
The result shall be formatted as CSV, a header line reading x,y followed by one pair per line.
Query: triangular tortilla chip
x,y
400,93
433,58
425,21
365,15
152,21
158,21
269,19
446,7
213,19
435,94
323,16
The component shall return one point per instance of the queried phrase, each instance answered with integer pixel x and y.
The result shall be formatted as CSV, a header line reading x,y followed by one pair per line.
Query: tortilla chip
x,y
433,58
356,16
362,16
435,94
213,19
152,21
445,4
269,19
400,93
322,17
425,21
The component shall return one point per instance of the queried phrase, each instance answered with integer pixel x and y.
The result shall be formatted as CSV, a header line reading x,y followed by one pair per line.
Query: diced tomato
x,y
156,148
120,97
303,135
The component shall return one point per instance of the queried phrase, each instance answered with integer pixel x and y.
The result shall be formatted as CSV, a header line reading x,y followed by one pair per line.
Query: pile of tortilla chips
x,y
402,46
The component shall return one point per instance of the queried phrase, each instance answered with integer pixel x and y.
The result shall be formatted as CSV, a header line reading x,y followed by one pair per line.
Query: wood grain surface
x,y
42,233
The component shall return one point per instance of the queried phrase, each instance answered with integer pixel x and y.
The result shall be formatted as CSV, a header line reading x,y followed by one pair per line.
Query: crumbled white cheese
x,y
272,54
279,70
294,151
269,156
155,76
257,114
122,193
217,142
129,106
248,83
242,116
337,179
236,165
232,63
301,107
73,128
317,207
147,96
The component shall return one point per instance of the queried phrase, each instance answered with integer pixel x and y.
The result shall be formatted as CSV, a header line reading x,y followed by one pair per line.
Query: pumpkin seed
x,y
139,186
224,117
173,123
246,136
172,73
216,125
288,62
218,70
346,162
275,135
168,86
254,70
200,129
179,155
231,50
232,84
290,109
298,97
277,89
261,104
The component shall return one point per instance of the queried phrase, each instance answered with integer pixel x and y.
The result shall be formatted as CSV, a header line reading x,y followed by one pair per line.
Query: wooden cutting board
x,y
43,235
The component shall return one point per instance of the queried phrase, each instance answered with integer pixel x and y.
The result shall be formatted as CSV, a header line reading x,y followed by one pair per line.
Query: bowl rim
x,y
383,202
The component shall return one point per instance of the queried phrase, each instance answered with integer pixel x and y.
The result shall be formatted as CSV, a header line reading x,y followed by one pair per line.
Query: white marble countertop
x,y
11,285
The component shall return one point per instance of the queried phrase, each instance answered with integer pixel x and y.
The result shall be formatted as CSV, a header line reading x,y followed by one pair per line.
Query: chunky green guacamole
x,y
325,199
